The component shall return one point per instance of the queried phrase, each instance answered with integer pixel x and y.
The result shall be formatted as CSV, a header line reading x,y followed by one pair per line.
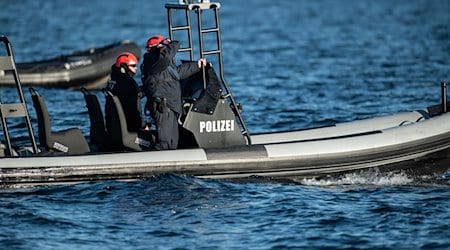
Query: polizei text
x,y
216,126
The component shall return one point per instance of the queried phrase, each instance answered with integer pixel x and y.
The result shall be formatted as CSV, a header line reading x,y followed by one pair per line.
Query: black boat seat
x,y
98,136
117,130
70,141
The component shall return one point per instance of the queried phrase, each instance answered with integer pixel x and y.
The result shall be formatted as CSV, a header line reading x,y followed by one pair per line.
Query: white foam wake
x,y
372,177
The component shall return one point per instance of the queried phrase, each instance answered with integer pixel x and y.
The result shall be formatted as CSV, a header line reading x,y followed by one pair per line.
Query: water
x,y
292,64
173,212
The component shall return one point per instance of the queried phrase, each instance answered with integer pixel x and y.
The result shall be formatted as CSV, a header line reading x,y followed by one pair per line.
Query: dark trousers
x,y
167,129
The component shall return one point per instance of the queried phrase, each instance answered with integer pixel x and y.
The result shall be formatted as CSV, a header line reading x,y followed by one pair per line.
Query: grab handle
x,y
444,96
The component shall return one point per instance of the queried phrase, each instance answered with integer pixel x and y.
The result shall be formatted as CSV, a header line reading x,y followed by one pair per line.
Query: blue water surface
x,y
292,64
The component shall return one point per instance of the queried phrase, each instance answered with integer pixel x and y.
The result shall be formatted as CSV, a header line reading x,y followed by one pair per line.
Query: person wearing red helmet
x,y
123,85
161,84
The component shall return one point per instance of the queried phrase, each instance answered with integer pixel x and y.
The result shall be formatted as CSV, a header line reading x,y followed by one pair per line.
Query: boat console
x,y
213,119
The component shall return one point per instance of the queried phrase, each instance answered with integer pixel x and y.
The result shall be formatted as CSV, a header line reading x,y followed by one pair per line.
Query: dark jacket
x,y
127,90
161,77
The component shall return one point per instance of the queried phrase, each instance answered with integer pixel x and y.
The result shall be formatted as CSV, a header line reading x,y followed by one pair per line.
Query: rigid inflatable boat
x,y
88,68
215,141
408,141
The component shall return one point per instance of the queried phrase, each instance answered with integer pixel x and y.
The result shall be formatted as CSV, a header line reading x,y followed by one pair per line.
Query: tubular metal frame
x,y
198,8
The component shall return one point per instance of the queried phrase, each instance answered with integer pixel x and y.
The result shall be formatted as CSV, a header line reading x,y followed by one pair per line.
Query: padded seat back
x,y
70,141
117,130
98,137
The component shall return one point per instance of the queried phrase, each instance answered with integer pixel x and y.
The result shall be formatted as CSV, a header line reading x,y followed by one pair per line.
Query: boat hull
x,y
420,147
89,68
425,162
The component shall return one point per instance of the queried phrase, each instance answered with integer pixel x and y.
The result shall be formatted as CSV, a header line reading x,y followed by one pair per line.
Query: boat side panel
x,y
392,136
341,129
420,145
242,152
185,155
418,154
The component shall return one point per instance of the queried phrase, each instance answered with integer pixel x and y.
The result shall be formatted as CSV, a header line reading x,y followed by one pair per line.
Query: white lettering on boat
x,y
60,147
142,142
76,64
216,126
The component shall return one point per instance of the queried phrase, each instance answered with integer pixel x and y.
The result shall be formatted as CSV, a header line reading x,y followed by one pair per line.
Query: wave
x,y
374,177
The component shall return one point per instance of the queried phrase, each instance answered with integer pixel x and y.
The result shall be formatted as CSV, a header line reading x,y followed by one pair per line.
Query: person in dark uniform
x,y
161,84
123,85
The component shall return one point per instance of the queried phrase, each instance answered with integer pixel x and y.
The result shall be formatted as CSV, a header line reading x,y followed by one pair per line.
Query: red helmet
x,y
154,40
127,58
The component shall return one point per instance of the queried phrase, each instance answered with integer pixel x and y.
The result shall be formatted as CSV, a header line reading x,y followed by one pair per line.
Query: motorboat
x,y
88,68
215,141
